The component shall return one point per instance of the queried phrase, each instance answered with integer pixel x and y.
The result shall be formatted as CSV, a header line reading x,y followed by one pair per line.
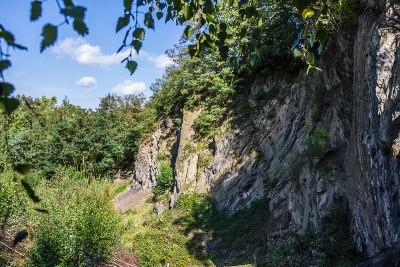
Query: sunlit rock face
x,y
308,140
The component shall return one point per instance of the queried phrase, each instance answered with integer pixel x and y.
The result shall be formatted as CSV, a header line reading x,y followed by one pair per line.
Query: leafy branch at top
x,y
208,32
70,11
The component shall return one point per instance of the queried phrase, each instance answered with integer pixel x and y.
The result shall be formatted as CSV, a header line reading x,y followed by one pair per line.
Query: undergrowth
x,y
196,233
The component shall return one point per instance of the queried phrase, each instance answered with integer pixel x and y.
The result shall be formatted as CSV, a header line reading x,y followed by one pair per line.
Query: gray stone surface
x,y
276,153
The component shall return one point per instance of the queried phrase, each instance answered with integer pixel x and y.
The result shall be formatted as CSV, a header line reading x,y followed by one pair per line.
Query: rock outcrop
x,y
309,141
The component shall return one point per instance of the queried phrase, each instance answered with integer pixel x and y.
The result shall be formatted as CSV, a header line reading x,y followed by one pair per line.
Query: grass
x,y
196,233
116,188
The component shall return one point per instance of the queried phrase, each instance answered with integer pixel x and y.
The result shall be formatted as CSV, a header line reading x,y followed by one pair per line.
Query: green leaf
x,y
243,32
223,52
321,35
80,27
77,12
295,43
7,36
148,20
131,66
251,11
4,64
176,5
297,53
188,32
259,22
8,105
23,169
212,29
208,43
160,5
49,34
222,36
320,48
21,235
312,40
253,58
36,10
187,11
169,13
128,5
6,89
68,3
139,33
241,49
210,19
222,27
159,15
242,2
310,58
137,45
122,22
230,2
30,192
192,50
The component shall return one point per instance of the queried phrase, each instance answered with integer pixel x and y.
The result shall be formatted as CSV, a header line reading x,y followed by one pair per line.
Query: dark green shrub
x,y
164,179
318,143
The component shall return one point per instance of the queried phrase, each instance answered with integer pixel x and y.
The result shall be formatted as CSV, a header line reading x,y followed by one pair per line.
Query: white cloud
x,y
129,87
87,54
87,82
161,61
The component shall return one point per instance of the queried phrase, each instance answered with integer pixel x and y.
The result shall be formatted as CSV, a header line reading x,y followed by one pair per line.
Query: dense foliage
x,y
99,143
81,226
74,224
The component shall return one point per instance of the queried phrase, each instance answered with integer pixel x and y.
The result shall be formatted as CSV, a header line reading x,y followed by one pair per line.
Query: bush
x,y
208,121
12,200
165,180
80,228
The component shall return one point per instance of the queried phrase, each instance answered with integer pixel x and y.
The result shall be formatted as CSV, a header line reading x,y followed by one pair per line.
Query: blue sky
x,y
83,69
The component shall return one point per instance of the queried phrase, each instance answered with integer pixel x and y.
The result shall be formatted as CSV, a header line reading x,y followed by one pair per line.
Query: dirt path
x,y
122,259
130,199
125,201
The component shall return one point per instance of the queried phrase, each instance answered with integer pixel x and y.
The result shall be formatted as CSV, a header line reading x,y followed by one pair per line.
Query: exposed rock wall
x,y
373,181
309,140
159,144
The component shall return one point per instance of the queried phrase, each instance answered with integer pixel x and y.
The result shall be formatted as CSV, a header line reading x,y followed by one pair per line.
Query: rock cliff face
x,y
373,181
310,140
